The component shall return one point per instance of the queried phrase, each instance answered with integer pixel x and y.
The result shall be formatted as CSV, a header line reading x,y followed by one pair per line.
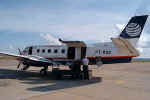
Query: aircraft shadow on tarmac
x,y
63,84
52,84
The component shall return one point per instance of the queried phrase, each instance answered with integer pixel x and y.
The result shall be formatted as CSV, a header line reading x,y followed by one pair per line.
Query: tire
x,y
58,75
43,73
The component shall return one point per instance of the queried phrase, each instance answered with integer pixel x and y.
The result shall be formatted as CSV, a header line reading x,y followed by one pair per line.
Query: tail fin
x,y
134,28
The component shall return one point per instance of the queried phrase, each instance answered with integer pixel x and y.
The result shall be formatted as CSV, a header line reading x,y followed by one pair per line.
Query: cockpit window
x,y
26,50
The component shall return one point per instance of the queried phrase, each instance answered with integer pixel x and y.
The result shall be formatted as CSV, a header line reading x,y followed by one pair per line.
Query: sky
x,y
35,22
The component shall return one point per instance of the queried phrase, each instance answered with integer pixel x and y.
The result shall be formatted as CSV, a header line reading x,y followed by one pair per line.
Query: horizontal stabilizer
x,y
125,47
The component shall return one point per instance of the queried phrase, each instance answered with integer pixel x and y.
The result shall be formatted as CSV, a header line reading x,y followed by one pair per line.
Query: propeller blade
x,y
19,51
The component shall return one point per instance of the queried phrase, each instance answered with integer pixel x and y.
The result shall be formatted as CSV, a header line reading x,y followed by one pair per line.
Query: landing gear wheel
x,y
43,72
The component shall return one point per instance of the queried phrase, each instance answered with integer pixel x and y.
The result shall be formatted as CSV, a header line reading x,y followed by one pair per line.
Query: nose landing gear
x,y
43,72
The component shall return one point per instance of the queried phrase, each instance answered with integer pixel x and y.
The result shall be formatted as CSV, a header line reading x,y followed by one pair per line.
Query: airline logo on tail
x,y
134,27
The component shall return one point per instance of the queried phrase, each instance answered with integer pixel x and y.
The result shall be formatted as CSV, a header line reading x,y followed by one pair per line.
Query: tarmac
x,y
128,81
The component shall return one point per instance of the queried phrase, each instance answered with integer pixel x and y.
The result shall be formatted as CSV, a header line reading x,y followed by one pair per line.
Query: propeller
x,y
19,65
20,53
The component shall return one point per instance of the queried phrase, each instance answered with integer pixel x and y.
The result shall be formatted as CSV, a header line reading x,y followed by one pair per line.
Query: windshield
x,y
26,50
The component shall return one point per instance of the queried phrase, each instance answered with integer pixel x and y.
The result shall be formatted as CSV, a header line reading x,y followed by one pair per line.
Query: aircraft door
x,y
71,52
78,53
83,52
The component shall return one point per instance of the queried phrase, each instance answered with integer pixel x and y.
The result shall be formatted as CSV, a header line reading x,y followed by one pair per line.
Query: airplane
x,y
121,50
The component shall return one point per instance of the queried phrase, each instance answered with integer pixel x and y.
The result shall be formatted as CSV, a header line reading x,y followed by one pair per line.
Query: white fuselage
x,y
105,50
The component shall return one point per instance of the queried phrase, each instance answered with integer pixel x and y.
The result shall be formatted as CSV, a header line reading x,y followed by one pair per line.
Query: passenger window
x,y
104,52
55,51
43,50
49,51
63,51
38,50
96,51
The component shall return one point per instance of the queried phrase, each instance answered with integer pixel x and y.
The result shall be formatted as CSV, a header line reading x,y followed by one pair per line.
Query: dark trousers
x,y
76,70
85,72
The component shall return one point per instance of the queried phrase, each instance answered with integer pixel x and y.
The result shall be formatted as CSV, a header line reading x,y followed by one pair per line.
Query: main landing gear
x,y
25,67
43,72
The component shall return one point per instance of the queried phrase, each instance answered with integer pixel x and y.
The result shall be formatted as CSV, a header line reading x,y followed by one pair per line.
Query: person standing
x,y
85,62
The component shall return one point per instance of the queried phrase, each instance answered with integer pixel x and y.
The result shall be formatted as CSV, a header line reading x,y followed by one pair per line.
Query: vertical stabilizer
x,y
134,28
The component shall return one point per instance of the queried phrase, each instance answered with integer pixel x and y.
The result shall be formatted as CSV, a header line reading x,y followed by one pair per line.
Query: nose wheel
x,y
43,72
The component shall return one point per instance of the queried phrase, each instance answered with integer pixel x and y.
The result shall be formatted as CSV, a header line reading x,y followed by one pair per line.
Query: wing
x,y
27,59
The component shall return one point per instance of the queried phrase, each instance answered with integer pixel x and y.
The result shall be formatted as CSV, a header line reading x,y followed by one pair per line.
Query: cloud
x,y
52,16
80,20
144,8
145,53
144,41
140,49
144,45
